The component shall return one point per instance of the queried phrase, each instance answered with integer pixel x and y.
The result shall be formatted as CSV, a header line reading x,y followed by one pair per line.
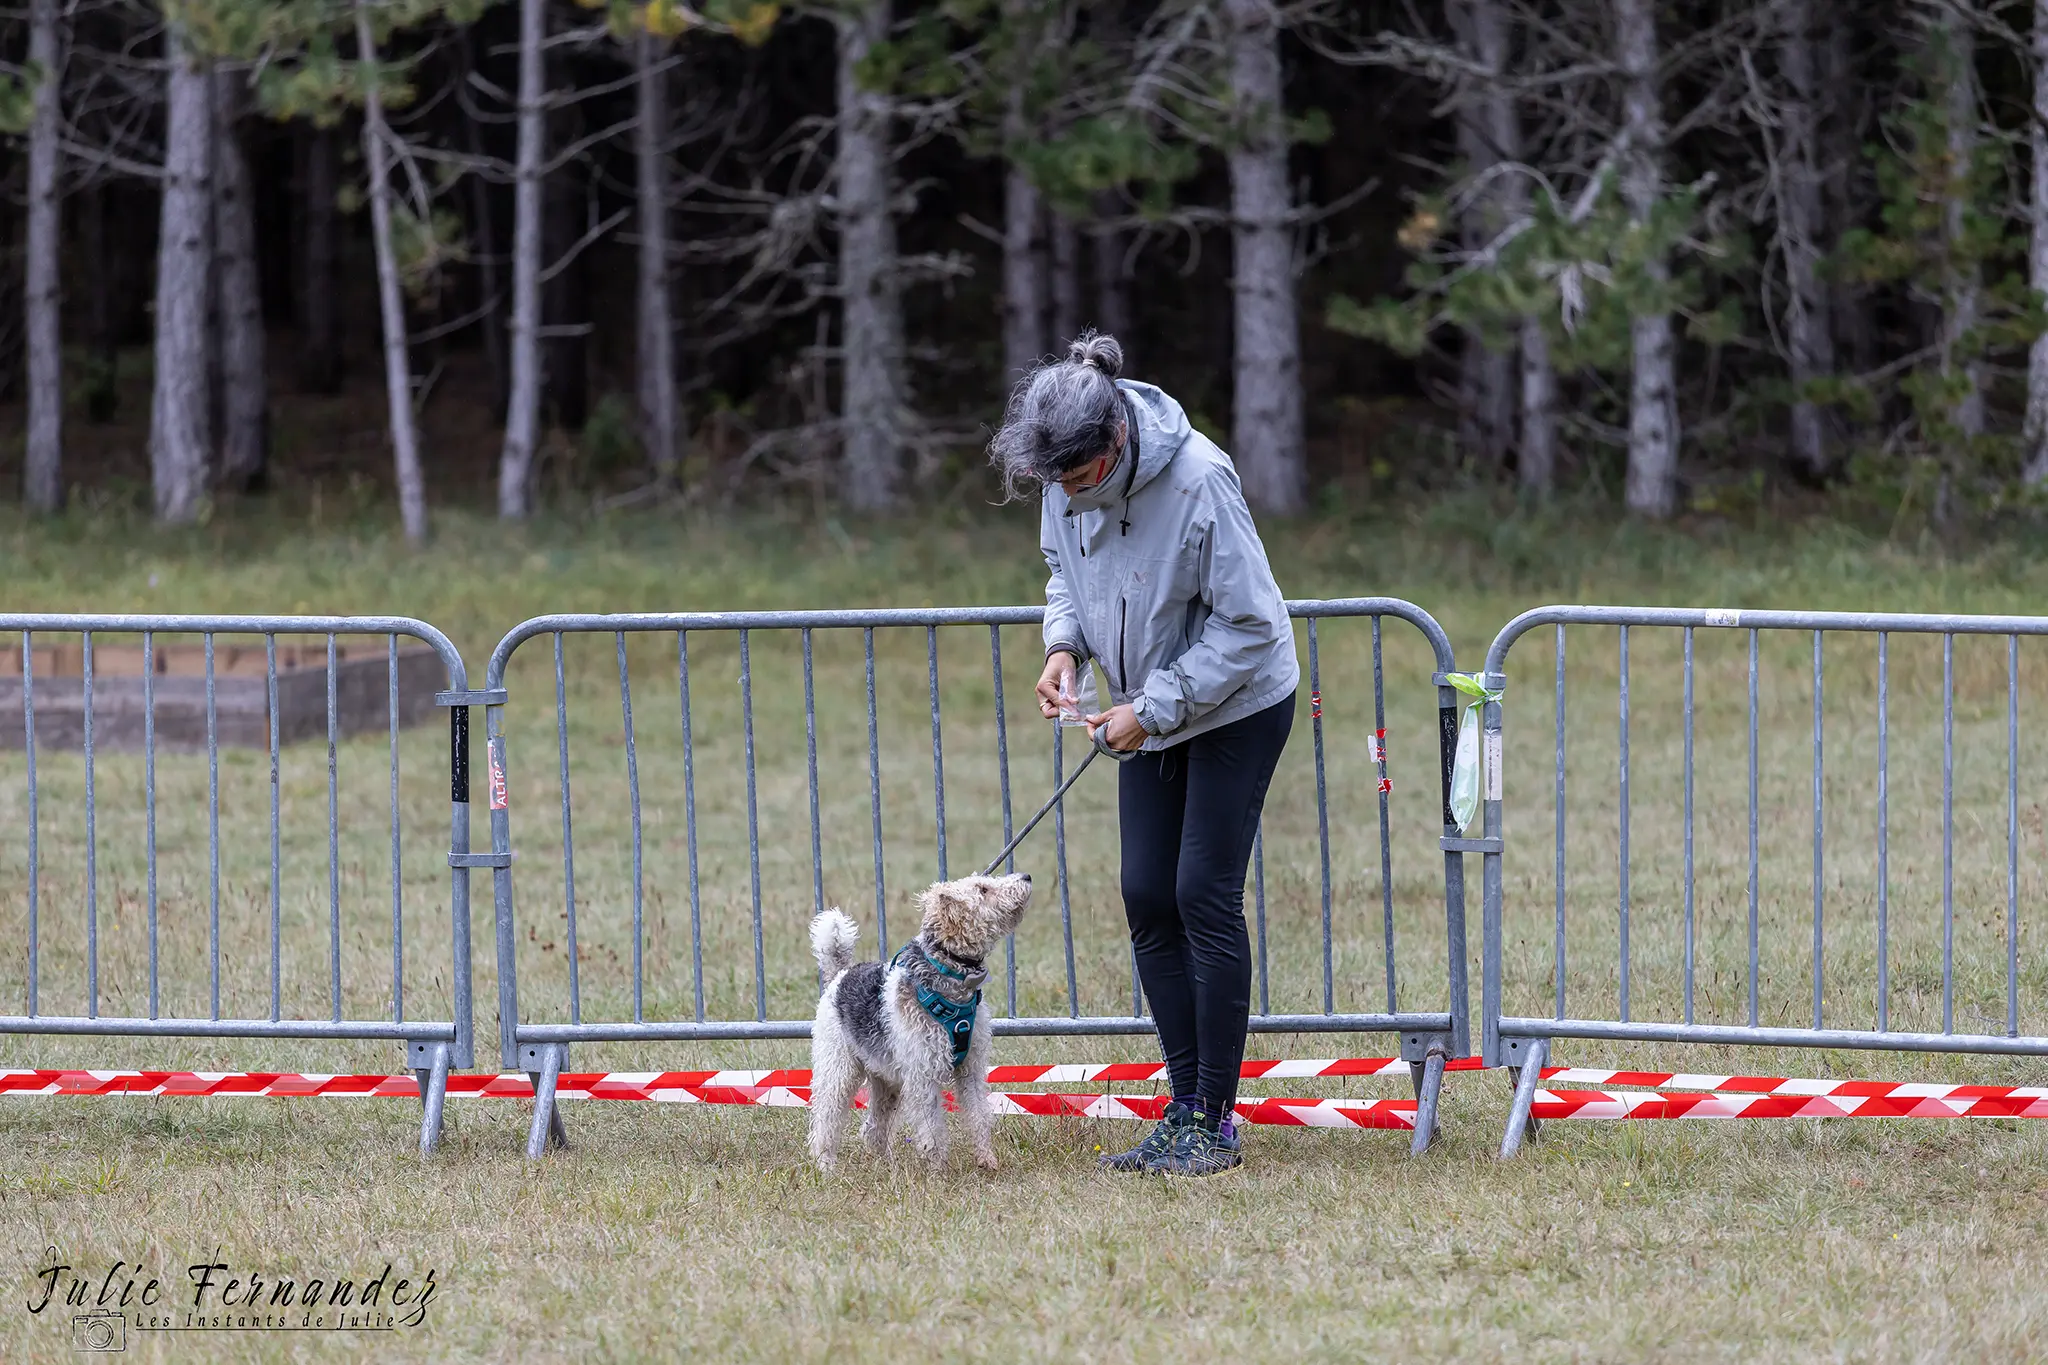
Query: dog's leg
x,y
924,1102
977,1110
878,1126
835,1075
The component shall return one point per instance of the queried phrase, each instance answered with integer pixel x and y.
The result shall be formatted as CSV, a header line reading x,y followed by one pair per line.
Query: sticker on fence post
x,y
1493,765
497,751
1376,747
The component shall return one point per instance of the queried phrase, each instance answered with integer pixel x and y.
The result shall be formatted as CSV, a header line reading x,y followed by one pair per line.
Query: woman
x,y
1158,576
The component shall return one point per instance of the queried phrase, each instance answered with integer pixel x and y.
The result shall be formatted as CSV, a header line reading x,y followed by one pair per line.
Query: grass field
x,y
670,1232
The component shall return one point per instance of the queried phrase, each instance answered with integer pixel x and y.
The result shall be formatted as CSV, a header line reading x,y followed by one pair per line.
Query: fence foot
x,y
1521,1120
433,1096
548,1129
1429,1084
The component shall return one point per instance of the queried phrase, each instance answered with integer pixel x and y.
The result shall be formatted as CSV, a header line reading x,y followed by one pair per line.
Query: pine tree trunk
x,y
1531,385
1266,435
1065,244
1487,377
245,382
405,446
43,466
522,409
484,228
102,390
1802,222
1023,288
871,329
1653,392
1536,458
655,362
180,420
1112,279
1842,126
1961,306
564,297
319,304
2036,431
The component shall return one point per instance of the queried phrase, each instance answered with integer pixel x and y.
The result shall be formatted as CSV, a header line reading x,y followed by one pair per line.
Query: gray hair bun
x,y
1098,350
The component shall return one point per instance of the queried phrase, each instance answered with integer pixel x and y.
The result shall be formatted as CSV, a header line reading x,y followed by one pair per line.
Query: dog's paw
x,y
986,1160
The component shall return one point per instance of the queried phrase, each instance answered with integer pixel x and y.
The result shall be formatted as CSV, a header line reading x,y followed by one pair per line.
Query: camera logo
x,y
103,1331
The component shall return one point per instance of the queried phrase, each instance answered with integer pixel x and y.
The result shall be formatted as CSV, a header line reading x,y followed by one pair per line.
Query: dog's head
x,y
970,916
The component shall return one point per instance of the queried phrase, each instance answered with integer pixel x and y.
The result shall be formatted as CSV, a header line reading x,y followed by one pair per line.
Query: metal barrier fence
x,y
83,704
1697,932
643,860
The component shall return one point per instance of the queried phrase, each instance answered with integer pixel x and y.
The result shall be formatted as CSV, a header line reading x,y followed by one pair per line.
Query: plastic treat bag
x,y
1465,769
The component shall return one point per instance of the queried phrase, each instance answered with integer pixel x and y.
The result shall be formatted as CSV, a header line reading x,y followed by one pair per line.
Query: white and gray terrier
x,y
912,1027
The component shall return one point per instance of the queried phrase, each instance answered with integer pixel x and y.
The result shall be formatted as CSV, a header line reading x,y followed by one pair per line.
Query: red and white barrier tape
x,y
1754,1097
1784,1085
669,1088
2018,1103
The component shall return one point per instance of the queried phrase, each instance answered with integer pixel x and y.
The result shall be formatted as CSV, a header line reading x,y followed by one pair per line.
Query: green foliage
x,y
1918,247
1587,276
18,98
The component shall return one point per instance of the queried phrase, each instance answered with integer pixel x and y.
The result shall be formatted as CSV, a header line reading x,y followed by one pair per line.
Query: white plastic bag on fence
x,y
1465,769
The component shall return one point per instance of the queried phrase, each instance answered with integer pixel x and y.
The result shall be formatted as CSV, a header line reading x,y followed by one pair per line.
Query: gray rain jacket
x,y
1158,575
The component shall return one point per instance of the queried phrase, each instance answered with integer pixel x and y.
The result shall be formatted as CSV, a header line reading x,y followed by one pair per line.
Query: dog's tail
x,y
833,935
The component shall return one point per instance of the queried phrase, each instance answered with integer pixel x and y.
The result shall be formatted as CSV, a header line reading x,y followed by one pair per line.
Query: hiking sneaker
x,y
1203,1146
1157,1143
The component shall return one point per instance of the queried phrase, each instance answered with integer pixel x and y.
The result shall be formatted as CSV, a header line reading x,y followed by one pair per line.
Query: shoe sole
x,y
1193,1175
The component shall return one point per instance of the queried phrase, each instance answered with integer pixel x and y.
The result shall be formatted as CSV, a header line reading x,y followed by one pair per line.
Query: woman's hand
x,y
1056,683
1120,728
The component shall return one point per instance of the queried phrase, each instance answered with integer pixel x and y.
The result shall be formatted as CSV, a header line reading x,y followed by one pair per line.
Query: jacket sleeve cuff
x,y
1067,647
1153,718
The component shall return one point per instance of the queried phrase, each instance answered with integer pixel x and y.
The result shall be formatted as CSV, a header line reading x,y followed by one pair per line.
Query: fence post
x,y
1490,968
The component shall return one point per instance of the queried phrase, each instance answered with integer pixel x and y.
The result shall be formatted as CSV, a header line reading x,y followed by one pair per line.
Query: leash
x,y
1099,747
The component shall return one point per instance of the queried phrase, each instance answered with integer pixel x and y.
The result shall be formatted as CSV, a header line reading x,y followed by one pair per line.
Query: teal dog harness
x,y
955,1017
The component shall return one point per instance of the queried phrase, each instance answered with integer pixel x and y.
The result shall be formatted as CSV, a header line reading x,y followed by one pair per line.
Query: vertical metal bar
x,y
875,795
1623,857
149,802
1819,835
995,663
690,822
397,884
2012,836
1259,899
1059,846
931,647
1557,952
333,826
753,826
276,865
1689,935
35,877
1752,833
1884,862
1315,687
633,796
811,747
1379,721
1948,834
92,890
213,825
568,833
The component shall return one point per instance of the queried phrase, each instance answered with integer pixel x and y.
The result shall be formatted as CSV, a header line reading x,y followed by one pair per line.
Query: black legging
x,y
1188,815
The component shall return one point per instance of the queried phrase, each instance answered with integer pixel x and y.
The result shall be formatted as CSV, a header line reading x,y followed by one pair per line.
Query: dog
x,y
913,1026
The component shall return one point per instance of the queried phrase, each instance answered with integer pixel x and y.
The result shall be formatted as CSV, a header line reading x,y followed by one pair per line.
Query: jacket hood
x,y
1160,429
